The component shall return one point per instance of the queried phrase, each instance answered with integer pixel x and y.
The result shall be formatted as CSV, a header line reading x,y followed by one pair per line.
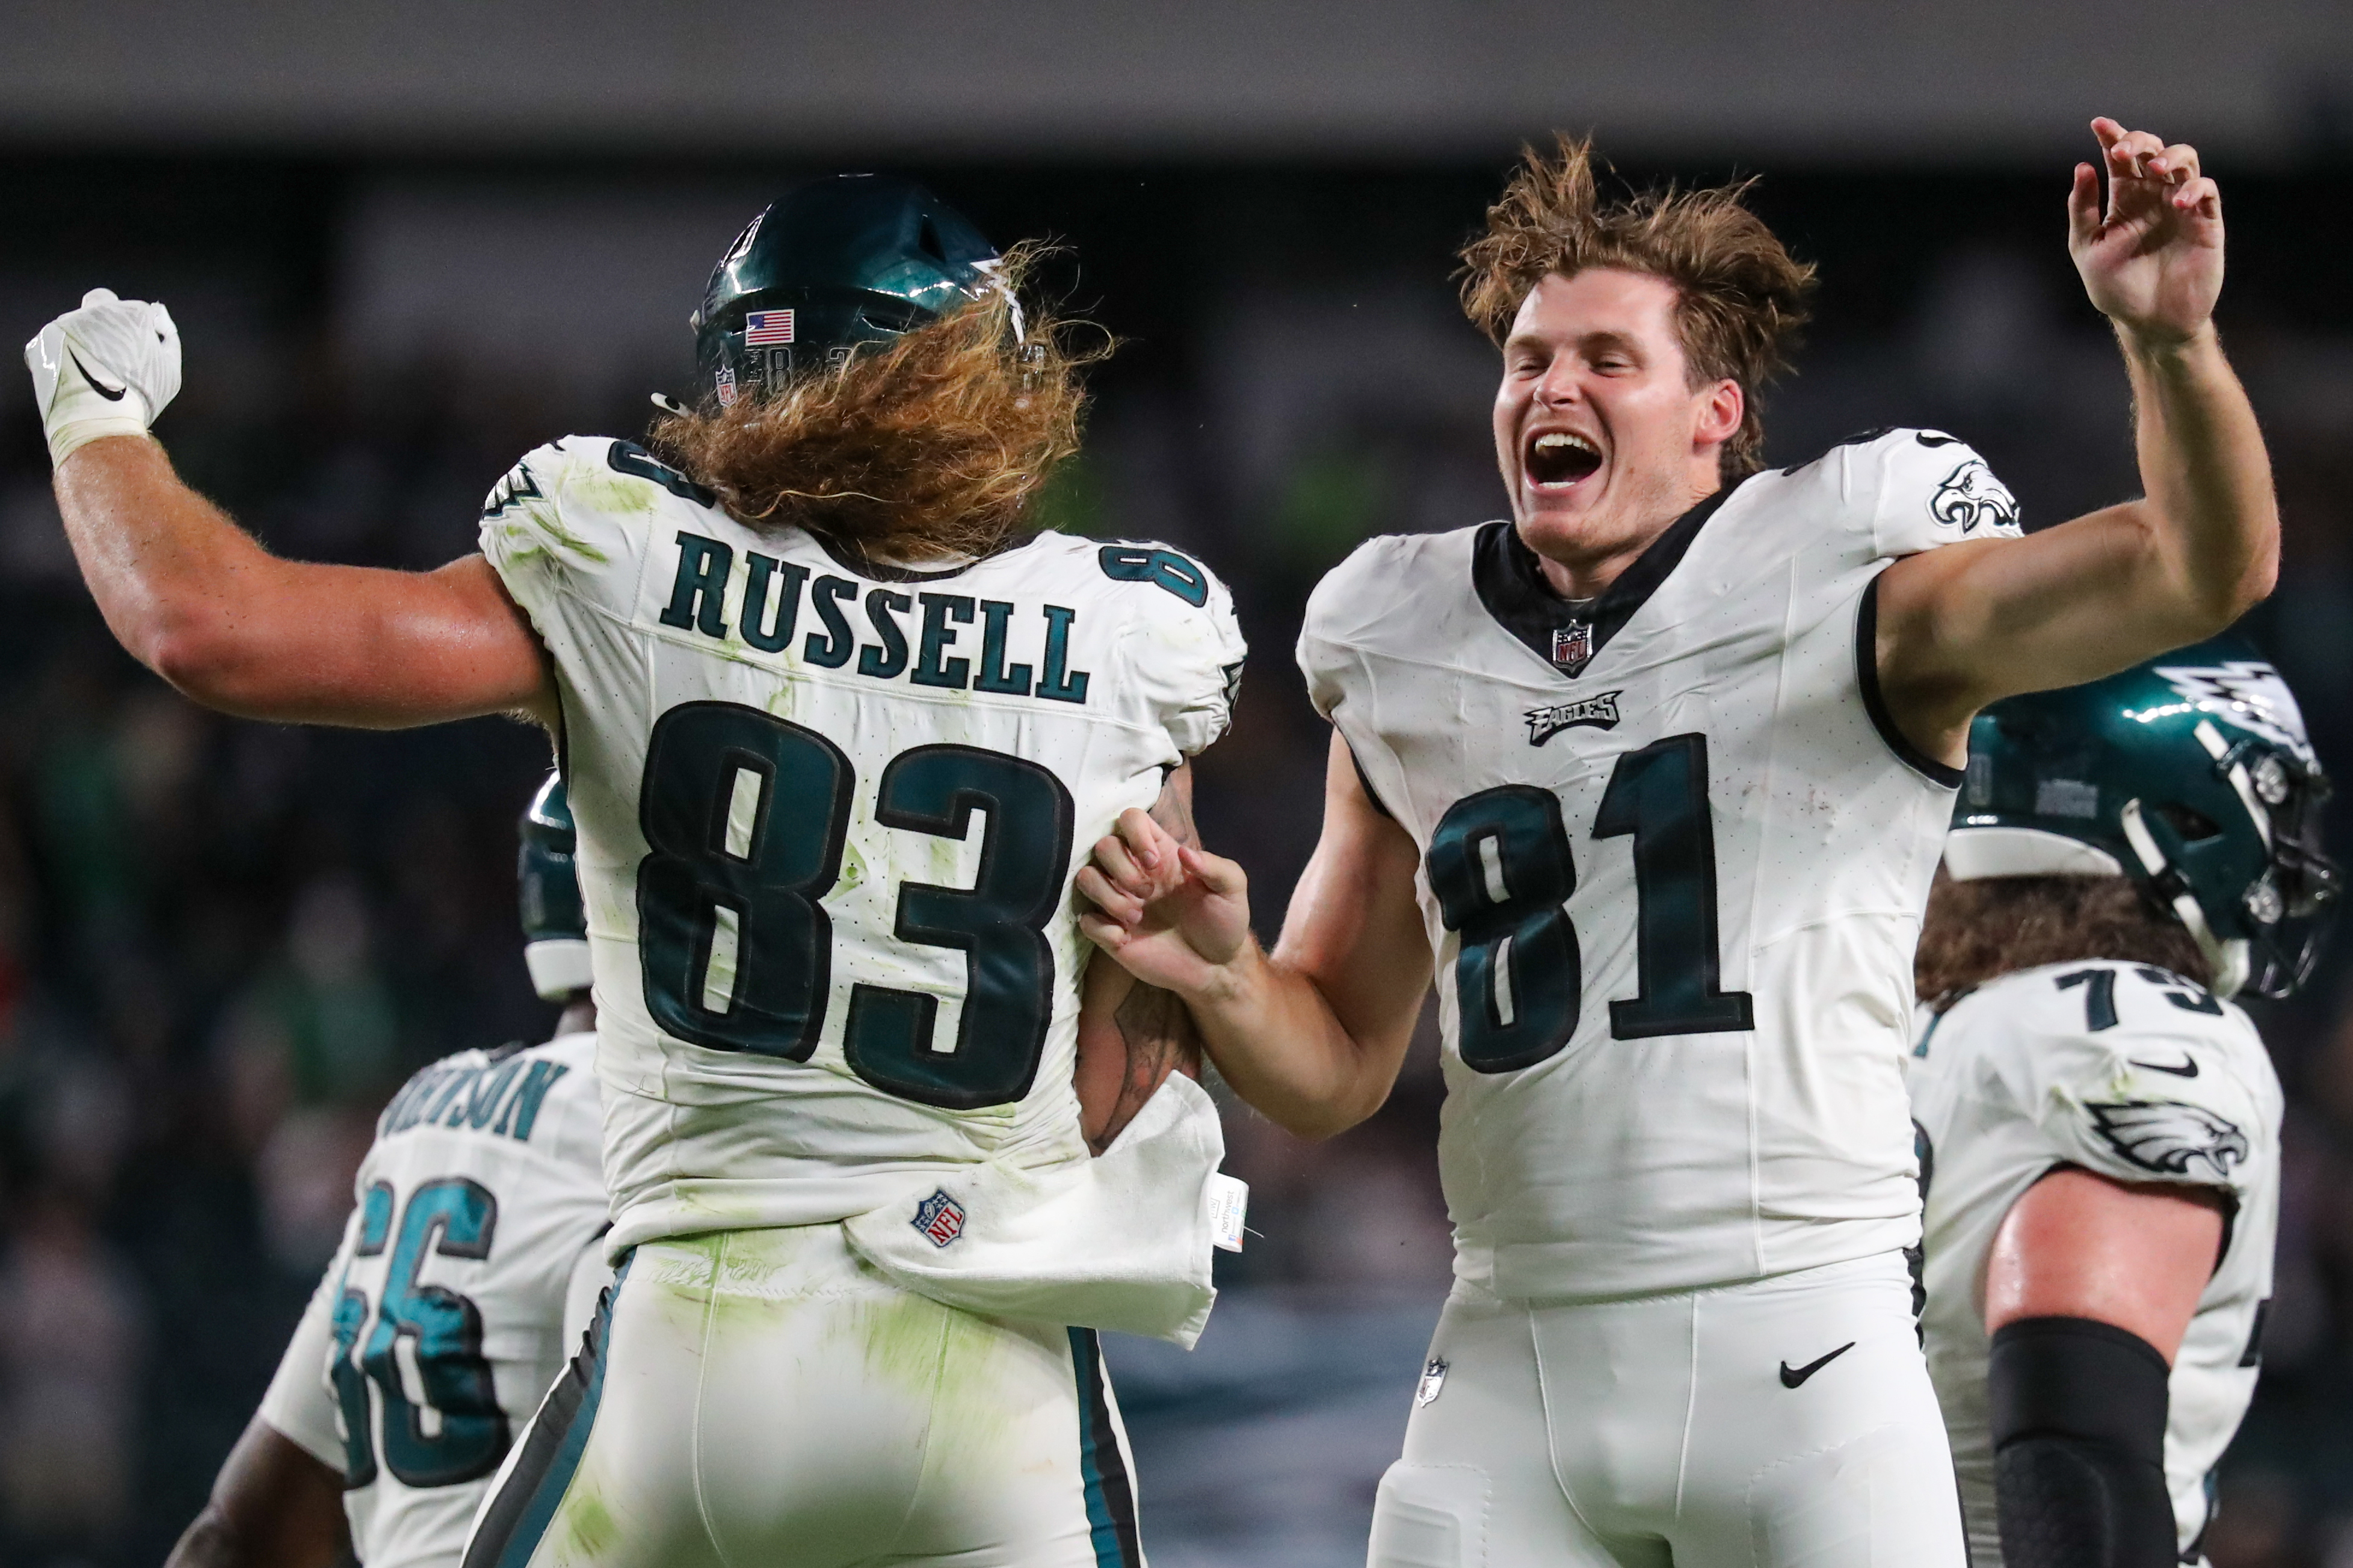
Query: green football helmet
x,y
2192,774
555,922
840,262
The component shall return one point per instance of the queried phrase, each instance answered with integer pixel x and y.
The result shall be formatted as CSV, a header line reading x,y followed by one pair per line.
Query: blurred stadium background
x,y
404,244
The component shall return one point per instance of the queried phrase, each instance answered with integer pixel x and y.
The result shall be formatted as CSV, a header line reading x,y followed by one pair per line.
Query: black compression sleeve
x,y
2078,1415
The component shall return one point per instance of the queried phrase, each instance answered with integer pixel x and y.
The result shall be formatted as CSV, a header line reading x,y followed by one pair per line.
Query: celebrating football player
x,y
2098,1123
838,723
474,1256
1656,774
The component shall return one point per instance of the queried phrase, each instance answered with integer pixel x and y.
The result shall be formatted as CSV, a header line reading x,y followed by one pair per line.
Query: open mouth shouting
x,y
1558,459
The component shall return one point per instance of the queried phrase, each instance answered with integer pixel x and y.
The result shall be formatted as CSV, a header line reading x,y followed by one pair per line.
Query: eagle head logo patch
x,y
1600,711
1971,497
2168,1136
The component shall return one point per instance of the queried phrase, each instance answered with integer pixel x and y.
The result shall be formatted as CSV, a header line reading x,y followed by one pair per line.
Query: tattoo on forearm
x,y
1160,1038
1154,1027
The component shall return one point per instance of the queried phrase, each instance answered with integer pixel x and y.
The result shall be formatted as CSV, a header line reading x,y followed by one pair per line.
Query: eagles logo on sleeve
x,y
516,487
1970,496
2167,1136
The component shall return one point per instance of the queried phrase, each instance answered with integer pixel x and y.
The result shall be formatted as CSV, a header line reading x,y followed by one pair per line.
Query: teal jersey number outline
x,y
453,1216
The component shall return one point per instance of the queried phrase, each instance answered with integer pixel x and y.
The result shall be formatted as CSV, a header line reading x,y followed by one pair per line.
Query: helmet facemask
x,y
2260,915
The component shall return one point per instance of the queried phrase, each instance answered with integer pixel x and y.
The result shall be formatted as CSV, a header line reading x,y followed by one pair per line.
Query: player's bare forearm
x,y
1313,1035
1963,626
272,1505
1278,1037
2207,479
1132,1035
1131,1038
200,602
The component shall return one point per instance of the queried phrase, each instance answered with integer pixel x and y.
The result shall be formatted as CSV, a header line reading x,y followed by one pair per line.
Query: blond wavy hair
x,y
929,446
1740,296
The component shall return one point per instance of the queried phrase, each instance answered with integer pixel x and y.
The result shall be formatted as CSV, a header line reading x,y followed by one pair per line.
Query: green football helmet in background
x,y
554,922
2190,774
840,262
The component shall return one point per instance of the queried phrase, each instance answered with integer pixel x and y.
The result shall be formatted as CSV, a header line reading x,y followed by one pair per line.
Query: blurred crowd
x,y
223,944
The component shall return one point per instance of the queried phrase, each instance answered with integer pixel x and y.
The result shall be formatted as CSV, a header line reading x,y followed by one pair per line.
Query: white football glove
x,y
106,369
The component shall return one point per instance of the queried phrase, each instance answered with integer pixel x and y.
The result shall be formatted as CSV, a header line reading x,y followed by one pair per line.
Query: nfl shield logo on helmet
x,y
726,380
939,1217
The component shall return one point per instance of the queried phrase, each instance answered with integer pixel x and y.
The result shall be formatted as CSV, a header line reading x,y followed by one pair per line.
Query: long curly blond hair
x,y
929,446
1741,296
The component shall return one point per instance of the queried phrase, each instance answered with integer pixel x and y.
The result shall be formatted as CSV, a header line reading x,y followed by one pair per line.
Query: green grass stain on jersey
x,y
533,539
588,1528
945,853
853,868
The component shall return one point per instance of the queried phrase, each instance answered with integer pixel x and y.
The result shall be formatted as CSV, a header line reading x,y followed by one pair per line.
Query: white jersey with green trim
x,y
829,817
1674,860
442,1319
2131,1072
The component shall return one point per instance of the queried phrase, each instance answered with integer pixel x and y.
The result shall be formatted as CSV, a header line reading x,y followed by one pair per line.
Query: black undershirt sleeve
x,y
2078,1415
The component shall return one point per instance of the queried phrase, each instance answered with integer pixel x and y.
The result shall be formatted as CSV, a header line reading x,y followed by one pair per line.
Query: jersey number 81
x,y
1501,866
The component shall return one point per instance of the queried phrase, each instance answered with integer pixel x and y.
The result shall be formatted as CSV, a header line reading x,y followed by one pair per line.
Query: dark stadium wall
x,y
1420,79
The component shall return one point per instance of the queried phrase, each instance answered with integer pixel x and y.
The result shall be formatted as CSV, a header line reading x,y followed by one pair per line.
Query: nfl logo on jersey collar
x,y
1572,647
939,1217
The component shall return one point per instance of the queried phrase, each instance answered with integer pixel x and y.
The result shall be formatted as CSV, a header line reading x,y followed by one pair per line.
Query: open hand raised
x,y
2152,261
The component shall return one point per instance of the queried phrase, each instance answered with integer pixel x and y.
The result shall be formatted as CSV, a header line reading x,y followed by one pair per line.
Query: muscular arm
x,y
1962,627
1132,1035
2080,1246
198,601
1313,1033
272,1505
2089,1289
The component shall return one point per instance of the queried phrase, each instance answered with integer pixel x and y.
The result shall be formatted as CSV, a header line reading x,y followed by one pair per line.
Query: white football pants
x,y
762,1398
1784,1422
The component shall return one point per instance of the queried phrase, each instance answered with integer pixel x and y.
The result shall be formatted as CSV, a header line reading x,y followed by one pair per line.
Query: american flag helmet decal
x,y
762,327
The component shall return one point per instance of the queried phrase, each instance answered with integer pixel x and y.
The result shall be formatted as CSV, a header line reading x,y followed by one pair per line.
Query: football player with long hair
x,y
837,721
1654,776
2097,1121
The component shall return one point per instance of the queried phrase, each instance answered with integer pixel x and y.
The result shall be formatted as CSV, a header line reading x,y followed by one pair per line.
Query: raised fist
x,y
106,369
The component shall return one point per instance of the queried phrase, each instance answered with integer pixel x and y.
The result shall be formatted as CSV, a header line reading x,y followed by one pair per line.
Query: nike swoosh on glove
x,y
107,369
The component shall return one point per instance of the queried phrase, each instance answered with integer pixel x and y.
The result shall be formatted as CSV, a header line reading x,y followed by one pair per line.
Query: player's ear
x,y
1721,409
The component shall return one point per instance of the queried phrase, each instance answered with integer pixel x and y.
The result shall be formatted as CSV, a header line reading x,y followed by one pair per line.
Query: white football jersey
x,y
441,1320
828,818
1674,860
2130,1072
